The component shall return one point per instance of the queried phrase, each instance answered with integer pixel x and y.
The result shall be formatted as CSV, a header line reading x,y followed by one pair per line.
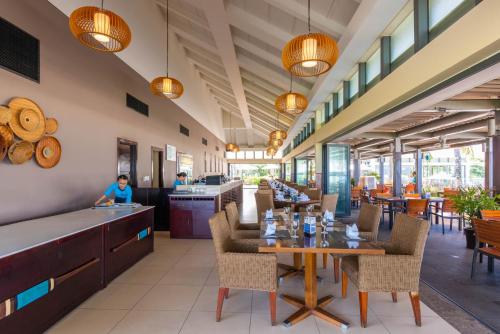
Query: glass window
x,y
402,38
230,155
248,154
340,99
338,177
373,66
439,9
288,171
240,155
259,155
353,85
301,166
408,166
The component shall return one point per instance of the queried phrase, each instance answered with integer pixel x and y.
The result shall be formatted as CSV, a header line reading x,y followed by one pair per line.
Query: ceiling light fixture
x,y
231,147
311,54
278,134
166,86
292,103
100,29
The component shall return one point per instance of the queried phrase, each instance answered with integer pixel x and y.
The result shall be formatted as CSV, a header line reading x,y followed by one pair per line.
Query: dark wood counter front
x,y
43,282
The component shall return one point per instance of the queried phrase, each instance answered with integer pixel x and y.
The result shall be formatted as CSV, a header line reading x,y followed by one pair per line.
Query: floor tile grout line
x,y
195,301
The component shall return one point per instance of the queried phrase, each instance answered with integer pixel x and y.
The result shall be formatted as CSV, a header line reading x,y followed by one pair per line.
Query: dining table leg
x,y
311,305
296,269
391,215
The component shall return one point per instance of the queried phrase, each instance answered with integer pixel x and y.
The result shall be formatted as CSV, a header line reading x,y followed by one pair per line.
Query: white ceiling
x,y
228,53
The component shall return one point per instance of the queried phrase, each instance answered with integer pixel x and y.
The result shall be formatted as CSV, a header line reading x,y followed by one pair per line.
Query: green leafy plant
x,y
471,200
374,174
353,182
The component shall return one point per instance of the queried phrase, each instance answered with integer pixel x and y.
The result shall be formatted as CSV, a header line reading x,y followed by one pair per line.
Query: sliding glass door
x,y
301,171
336,168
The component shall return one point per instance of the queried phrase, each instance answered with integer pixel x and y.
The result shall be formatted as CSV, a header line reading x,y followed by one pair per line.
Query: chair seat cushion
x,y
245,234
492,251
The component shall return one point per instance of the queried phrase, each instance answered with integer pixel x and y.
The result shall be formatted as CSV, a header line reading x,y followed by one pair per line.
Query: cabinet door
x,y
203,209
181,225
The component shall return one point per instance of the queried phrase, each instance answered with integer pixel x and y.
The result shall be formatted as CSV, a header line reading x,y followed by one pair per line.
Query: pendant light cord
x,y
291,80
167,37
309,16
102,4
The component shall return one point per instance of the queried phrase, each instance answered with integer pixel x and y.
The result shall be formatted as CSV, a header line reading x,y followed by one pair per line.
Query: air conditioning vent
x,y
19,51
137,105
204,141
184,130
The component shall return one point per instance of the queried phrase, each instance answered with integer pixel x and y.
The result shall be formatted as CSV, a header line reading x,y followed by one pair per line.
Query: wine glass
x,y
295,227
324,223
287,210
309,209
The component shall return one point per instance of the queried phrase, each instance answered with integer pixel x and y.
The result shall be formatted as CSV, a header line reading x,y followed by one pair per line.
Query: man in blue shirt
x,y
181,178
120,189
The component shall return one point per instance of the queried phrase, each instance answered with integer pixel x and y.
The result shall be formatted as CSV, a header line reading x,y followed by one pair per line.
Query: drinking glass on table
x,y
309,209
287,210
324,223
295,225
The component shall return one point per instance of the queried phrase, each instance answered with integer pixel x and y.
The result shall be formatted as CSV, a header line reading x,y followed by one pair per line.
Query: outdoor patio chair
x,y
239,267
368,223
487,242
238,230
396,271
447,210
410,188
417,208
490,214
411,195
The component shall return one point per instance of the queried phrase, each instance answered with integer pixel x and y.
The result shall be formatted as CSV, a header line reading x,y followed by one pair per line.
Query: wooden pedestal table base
x,y
296,269
311,305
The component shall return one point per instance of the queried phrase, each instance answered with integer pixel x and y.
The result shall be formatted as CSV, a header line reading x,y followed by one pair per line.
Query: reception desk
x,y
192,206
48,266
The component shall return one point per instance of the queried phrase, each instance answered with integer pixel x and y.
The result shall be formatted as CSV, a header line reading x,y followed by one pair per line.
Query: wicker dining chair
x,y
238,230
313,193
240,268
396,271
487,241
355,197
368,224
263,203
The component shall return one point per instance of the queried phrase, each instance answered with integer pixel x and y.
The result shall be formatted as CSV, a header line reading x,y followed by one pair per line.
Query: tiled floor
x,y
174,290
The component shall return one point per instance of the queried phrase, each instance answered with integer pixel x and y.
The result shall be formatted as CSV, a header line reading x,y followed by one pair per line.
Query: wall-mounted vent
x,y
204,141
184,130
19,51
217,148
137,105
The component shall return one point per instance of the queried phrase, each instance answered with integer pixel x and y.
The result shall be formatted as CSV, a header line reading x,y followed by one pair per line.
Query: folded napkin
x,y
328,215
352,244
280,197
271,229
269,214
303,197
352,232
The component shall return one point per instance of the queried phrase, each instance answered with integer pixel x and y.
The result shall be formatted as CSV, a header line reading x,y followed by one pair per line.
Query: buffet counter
x,y
191,206
48,266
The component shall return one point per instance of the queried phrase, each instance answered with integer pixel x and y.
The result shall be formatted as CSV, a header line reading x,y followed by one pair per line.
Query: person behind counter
x,y
121,190
181,180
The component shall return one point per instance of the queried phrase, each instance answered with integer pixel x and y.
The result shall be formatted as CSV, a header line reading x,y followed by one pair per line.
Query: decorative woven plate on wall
x,y
51,126
48,152
5,115
3,148
28,120
21,152
7,134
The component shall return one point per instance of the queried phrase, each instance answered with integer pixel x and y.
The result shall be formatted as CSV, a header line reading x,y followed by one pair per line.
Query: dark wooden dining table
x,y
294,205
334,242
395,202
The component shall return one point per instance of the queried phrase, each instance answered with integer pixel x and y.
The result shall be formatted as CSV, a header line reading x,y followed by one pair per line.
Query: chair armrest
x,y
249,226
389,272
253,271
245,245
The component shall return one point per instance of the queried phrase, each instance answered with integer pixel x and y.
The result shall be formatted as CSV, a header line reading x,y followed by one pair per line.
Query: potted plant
x,y
353,182
469,202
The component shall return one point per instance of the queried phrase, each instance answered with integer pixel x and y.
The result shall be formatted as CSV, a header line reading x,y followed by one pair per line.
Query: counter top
x,y
18,237
208,190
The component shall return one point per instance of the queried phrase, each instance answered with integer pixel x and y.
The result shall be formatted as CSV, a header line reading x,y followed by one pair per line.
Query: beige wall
x,y
85,90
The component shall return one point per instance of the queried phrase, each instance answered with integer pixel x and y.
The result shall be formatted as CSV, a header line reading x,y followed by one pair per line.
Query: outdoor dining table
x,y
394,201
334,242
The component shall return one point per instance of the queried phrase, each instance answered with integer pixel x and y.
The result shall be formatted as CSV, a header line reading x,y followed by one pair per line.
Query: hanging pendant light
x,y
231,147
278,134
292,103
270,151
100,29
311,54
166,86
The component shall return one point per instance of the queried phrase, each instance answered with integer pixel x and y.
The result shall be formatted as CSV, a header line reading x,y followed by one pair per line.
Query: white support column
x,y
318,149
396,173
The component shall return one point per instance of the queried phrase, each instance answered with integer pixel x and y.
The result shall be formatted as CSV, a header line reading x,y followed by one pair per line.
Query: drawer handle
x,y
28,296
139,236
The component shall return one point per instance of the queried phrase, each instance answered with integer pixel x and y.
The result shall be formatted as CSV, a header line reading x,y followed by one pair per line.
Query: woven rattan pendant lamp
x,y
291,102
270,151
166,86
278,134
231,147
311,54
99,29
